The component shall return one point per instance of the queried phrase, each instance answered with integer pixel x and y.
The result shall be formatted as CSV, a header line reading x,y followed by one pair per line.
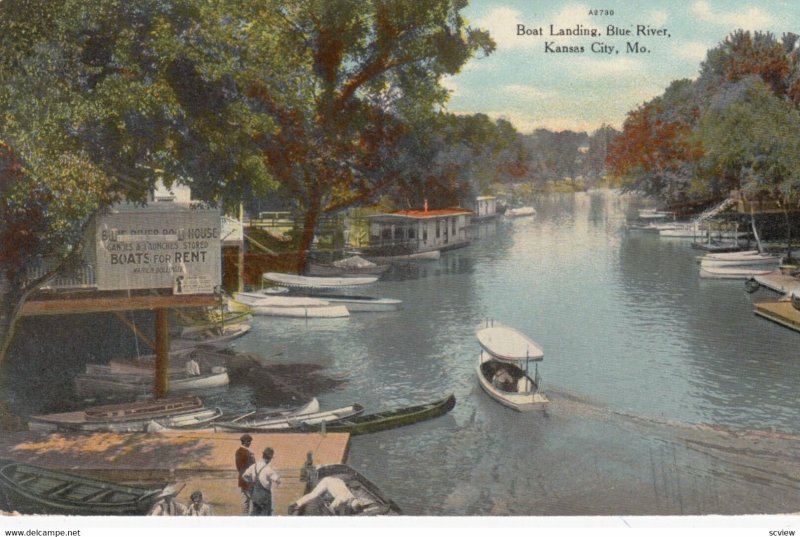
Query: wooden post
x,y
240,254
161,377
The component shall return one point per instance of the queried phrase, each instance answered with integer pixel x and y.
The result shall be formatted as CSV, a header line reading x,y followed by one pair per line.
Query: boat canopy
x,y
506,343
293,280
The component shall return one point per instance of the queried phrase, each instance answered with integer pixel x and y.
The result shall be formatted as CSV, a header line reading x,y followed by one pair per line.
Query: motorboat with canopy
x,y
504,367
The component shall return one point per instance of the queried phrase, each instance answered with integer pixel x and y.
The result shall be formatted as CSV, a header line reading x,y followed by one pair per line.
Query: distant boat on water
x,y
520,211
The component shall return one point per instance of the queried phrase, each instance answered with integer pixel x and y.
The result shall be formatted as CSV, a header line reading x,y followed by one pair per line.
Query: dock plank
x,y
779,282
200,460
779,311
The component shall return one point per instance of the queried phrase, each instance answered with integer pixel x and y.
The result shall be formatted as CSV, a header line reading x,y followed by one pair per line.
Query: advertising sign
x,y
175,247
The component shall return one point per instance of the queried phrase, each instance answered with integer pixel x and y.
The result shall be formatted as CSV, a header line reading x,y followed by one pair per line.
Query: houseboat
x,y
403,233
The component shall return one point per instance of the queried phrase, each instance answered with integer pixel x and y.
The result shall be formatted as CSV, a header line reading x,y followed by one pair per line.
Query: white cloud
x,y
450,85
502,25
658,18
694,51
751,18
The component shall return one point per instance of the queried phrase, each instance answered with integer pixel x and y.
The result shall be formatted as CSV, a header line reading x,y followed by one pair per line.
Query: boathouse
x,y
485,208
419,231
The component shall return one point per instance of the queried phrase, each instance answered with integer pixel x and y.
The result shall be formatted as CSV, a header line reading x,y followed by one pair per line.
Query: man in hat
x,y
166,505
244,460
198,507
263,478
334,490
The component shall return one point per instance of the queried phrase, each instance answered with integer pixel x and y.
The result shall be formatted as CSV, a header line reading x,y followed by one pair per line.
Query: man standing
x,y
244,459
263,479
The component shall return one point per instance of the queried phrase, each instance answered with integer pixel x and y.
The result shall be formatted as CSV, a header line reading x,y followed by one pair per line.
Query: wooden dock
x,y
201,460
779,311
779,282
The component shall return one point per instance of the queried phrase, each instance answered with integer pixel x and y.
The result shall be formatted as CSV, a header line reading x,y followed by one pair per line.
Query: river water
x,y
668,395
640,354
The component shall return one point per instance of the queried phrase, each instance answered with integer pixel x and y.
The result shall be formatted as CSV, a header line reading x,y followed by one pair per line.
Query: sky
x,y
530,83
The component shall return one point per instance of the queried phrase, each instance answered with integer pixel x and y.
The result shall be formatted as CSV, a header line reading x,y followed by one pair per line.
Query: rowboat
x,y
120,412
319,282
732,273
427,255
78,421
192,321
390,419
291,422
98,382
520,211
206,357
291,306
35,490
264,415
349,266
356,303
500,372
377,504
713,260
210,336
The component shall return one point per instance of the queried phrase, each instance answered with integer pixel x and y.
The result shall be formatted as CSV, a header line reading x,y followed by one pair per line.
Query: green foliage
x,y
752,138
734,126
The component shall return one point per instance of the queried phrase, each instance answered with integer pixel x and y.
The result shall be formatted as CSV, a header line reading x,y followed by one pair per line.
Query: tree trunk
x,y
788,236
307,236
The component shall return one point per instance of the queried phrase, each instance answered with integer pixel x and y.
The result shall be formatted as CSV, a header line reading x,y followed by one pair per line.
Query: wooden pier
x,y
779,282
201,460
779,311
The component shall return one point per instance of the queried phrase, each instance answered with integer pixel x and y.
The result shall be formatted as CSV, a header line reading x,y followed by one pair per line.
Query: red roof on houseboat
x,y
432,213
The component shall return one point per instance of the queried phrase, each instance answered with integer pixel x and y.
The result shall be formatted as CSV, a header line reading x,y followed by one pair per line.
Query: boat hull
x,y
299,312
68,421
361,303
744,261
430,255
520,212
526,399
278,305
293,280
318,269
383,421
292,422
731,273
361,487
87,385
34,490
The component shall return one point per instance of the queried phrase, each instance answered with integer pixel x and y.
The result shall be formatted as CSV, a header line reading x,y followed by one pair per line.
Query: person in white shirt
x,y
198,507
262,478
342,500
166,505
192,368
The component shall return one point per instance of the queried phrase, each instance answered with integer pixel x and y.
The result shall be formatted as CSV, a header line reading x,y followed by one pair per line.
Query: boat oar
x,y
243,416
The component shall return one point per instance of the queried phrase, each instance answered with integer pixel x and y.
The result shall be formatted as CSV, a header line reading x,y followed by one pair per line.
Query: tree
x,y
99,101
655,152
752,137
363,75
455,157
